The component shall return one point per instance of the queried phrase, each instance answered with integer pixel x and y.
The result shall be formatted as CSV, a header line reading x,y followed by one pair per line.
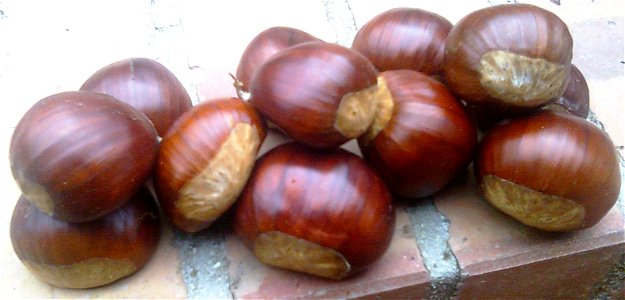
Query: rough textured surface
x,y
531,207
341,19
204,264
431,230
521,80
210,193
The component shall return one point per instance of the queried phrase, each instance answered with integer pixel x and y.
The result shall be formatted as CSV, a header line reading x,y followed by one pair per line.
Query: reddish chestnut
x,y
205,159
321,212
319,94
551,170
265,45
86,255
404,38
518,55
146,85
421,138
576,98
80,155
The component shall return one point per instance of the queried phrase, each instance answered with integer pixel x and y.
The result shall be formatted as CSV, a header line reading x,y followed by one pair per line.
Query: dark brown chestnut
x,y
321,212
421,138
86,255
205,160
551,170
404,38
576,98
80,155
319,94
518,55
267,43
146,85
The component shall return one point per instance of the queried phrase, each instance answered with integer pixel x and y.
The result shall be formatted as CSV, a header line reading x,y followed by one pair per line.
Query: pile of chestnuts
x,y
415,91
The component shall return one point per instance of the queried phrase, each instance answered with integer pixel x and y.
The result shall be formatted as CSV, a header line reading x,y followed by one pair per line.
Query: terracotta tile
x,y
501,257
399,273
570,276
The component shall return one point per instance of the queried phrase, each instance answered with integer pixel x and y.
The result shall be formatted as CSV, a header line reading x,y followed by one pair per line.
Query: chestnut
x,y
267,43
319,94
576,98
86,255
550,170
517,55
80,155
145,84
205,159
404,38
421,138
322,212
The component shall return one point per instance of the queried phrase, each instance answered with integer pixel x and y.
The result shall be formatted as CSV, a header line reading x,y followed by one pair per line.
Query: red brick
x,y
398,274
502,258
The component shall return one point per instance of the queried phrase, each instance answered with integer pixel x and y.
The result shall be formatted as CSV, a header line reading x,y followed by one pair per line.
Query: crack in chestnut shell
x,y
81,155
267,43
331,198
556,154
523,30
146,85
428,140
90,254
404,38
300,89
195,180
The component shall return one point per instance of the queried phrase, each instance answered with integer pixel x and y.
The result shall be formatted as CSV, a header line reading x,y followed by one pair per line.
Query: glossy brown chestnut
x,y
317,93
421,138
267,43
80,155
551,170
518,55
576,98
205,160
146,85
404,38
86,255
321,212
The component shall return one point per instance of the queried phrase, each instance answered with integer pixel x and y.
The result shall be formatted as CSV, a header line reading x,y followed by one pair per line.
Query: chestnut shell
x,y
267,43
558,154
191,144
127,236
404,38
299,89
81,155
576,98
519,29
428,140
328,197
146,85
